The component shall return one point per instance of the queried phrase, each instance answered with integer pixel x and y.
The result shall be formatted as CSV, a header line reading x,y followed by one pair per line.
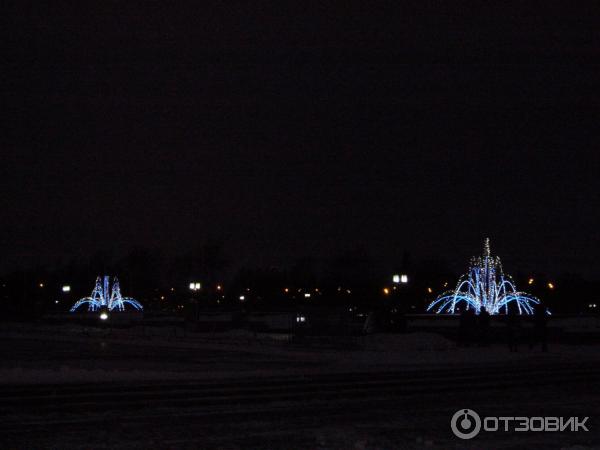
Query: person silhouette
x,y
471,326
462,329
540,331
513,324
484,322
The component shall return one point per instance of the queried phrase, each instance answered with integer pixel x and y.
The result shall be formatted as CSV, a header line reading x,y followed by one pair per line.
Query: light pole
x,y
400,283
195,287
66,290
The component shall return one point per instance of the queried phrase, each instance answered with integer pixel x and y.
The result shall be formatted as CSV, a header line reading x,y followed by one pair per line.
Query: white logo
x,y
465,424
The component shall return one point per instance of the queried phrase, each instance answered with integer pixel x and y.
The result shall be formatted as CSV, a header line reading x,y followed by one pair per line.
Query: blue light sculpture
x,y
103,297
485,286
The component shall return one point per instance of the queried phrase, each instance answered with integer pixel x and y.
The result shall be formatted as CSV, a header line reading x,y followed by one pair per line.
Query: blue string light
x,y
485,286
105,297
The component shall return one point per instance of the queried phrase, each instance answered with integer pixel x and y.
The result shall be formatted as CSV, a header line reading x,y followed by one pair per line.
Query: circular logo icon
x,y
465,424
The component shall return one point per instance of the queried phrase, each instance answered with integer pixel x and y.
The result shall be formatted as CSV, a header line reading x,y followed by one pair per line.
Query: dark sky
x,y
307,131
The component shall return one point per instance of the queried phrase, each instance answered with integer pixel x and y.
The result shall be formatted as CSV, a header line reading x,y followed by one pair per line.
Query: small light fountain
x,y
485,286
107,298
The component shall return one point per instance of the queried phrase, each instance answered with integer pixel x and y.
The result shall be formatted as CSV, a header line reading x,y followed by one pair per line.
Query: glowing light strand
x,y
103,296
485,286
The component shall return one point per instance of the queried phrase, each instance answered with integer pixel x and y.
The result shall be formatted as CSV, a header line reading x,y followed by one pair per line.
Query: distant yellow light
x,y
41,285
219,287
550,286
429,290
386,291
286,290
530,281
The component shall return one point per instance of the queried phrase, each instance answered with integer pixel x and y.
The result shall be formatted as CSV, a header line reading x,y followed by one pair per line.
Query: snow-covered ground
x,y
160,387
72,353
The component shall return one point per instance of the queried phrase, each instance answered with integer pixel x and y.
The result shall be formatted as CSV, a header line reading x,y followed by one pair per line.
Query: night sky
x,y
287,132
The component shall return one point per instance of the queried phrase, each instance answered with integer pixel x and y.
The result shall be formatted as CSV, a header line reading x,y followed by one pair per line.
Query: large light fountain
x,y
485,286
105,297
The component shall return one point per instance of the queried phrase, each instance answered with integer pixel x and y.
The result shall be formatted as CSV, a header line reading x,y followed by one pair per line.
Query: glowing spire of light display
x,y
105,297
485,286
487,250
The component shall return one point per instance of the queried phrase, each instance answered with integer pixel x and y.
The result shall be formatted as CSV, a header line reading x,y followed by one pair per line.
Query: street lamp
x,y
400,279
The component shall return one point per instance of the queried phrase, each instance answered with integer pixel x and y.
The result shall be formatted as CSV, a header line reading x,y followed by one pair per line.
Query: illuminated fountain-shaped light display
x,y
103,297
485,286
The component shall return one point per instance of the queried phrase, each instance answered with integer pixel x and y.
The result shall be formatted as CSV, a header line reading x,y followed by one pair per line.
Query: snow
x,y
288,415
135,354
